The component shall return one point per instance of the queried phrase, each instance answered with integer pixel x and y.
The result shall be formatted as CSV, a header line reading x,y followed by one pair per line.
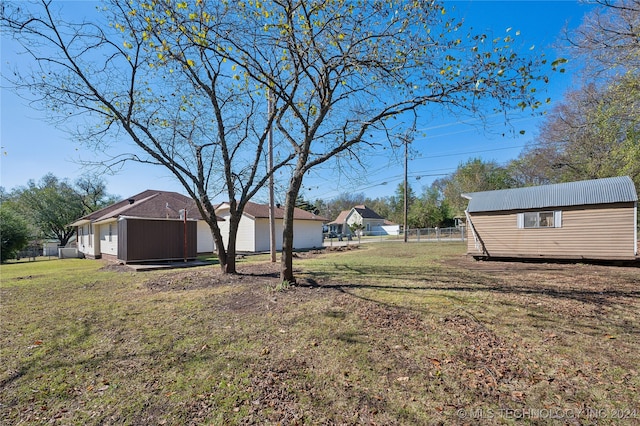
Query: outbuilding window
x,y
549,219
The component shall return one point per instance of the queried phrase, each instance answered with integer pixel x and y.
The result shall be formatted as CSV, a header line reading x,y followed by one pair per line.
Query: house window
x,y
551,219
90,235
110,232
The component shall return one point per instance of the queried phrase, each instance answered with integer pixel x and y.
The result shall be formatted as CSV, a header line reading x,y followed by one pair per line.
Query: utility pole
x,y
272,219
407,138
184,220
406,191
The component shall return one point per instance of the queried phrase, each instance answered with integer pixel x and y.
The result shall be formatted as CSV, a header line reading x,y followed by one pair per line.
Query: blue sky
x,y
31,147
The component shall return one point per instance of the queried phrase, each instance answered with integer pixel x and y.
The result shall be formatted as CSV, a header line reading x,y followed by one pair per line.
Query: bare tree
x,y
609,38
593,132
133,73
93,192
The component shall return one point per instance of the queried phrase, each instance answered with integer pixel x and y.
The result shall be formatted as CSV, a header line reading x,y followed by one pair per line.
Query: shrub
x,y
14,233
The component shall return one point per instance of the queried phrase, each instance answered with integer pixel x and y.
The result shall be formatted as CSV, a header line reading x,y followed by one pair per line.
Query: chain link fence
x,y
430,234
413,235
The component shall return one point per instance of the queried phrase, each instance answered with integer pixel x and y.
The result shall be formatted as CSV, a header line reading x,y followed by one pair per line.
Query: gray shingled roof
x,y
587,192
366,212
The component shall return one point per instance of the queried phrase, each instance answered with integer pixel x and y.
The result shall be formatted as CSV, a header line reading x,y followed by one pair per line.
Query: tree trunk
x,y
234,222
286,264
226,255
230,265
219,242
64,238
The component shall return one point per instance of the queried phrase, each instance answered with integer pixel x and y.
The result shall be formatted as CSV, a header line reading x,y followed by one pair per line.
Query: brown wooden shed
x,y
592,219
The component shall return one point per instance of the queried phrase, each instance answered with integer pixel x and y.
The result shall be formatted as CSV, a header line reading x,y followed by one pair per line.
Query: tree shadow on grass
x,y
596,312
440,279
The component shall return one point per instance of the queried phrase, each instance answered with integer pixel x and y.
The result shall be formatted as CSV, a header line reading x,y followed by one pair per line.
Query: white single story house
x,y
593,219
372,223
253,229
147,226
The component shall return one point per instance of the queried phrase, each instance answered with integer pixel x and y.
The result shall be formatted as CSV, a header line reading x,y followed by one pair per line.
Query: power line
x,y
419,174
474,152
427,173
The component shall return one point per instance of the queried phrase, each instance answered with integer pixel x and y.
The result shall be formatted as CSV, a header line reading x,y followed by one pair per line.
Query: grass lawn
x,y
387,333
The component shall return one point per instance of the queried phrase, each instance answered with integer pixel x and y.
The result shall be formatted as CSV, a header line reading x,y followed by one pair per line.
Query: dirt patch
x,y
343,248
523,265
257,274
573,290
488,363
254,289
27,277
581,279
115,267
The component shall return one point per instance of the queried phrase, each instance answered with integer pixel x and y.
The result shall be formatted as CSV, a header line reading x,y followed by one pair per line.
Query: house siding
x,y
253,232
246,237
587,232
263,235
224,227
370,226
82,239
353,218
88,244
108,244
306,234
373,226
205,238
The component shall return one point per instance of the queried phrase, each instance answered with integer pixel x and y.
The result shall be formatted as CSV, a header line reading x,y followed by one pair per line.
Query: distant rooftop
x,y
256,211
366,212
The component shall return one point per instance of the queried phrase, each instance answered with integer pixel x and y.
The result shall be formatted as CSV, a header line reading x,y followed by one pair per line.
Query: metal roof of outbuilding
x,y
587,192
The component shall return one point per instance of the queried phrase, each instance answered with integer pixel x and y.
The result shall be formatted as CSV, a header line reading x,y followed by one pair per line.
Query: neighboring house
x,y
146,226
50,247
253,230
389,228
592,219
372,223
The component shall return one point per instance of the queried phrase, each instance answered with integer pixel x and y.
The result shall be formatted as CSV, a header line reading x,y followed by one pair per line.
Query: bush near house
x,y
14,233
